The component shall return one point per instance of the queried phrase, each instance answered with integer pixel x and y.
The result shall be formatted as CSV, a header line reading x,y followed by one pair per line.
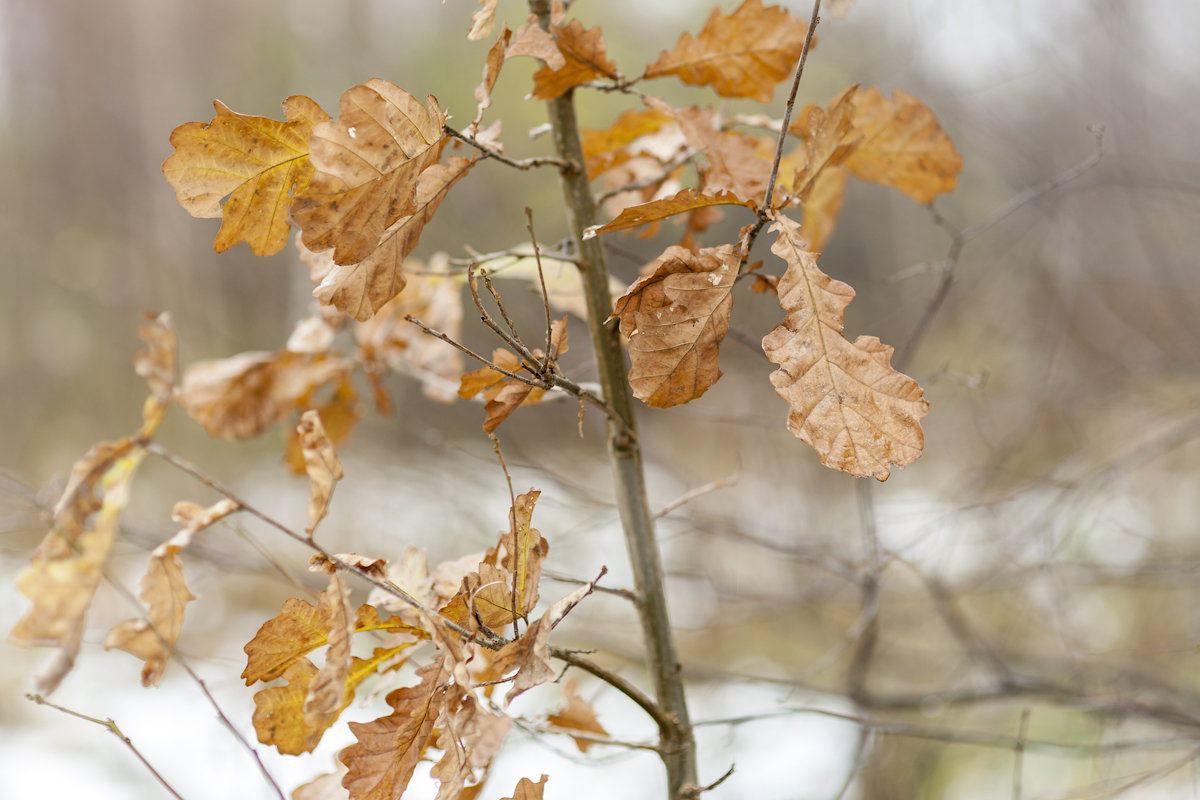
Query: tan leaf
x,y
381,763
410,573
362,288
846,401
158,363
532,40
323,787
482,20
485,598
325,698
675,318
260,163
524,551
530,654
339,416
241,396
903,146
297,630
322,465
828,139
491,73
504,394
388,341
470,738
196,518
823,206
585,57
65,570
743,54
366,168
604,148
577,716
528,790
737,162
686,200
279,717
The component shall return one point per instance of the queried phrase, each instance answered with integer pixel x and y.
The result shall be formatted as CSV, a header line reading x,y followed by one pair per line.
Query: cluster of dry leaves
x,y
360,189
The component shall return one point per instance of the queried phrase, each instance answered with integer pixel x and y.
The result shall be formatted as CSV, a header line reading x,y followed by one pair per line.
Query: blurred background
x,y
1014,615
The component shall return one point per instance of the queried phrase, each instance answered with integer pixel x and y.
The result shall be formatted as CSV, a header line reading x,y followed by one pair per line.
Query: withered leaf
x,y
528,790
470,738
675,317
903,146
484,598
381,763
532,40
829,137
325,698
240,396
524,551
530,654
585,59
322,465
362,287
684,201
260,163
482,20
366,165
577,716
66,568
846,400
491,73
158,363
604,148
339,416
736,162
823,206
743,54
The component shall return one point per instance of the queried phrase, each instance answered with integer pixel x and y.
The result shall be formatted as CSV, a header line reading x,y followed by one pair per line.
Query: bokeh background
x,y
1014,615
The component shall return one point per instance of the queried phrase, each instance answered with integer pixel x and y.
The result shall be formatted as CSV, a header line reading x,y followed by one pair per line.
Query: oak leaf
x,y
240,396
469,739
584,56
528,790
846,401
326,691
524,551
261,164
675,317
366,165
823,206
361,288
340,414
532,40
491,73
904,146
737,162
743,54
529,655
577,716
322,465
382,761
485,598
604,148
67,567
158,363
829,138
684,201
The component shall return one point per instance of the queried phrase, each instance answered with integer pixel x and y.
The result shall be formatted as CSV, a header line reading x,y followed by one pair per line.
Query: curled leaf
x,y
322,465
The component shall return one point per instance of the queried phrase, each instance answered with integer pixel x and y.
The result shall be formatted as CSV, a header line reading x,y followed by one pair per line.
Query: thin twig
x,y
537,254
109,725
694,493
650,180
665,723
512,326
530,380
486,318
1019,755
861,751
574,733
490,152
512,522
558,576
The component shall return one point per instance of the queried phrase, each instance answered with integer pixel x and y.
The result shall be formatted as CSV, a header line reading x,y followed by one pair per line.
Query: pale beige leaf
x,y
366,167
845,399
528,790
382,761
195,518
675,318
743,54
532,40
737,162
482,20
323,787
564,285
158,363
322,465
577,716
324,700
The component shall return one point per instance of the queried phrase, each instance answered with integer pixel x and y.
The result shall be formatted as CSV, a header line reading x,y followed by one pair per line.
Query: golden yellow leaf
x,y
604,148
361,287
845,399
322,465
67,566
585,59
743,54
240,396
675,317
577,716
388,749
823,206
686,200
366,165
903,146
260,163
326,694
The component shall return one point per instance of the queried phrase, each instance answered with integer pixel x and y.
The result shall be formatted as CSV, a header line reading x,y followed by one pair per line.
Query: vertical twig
x,y
537,254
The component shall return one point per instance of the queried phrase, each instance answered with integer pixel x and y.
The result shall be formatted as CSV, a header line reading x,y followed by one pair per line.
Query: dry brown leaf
x,y
524,551
482,20
165,594
675,317
260,163
737,162
381,763
846,401
577,716
240,396
532,40
469,739
823,206
504,394
326,694
485,598
585,60
196,518
903,146
684,201
322,465
366,165
491,73
387,340
528,790
530,654
66,568
828,139
743,54
411,574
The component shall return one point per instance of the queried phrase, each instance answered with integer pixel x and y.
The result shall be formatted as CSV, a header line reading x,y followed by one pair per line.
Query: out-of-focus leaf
x,y
528,790
577,716
322,465
585,60
482,20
